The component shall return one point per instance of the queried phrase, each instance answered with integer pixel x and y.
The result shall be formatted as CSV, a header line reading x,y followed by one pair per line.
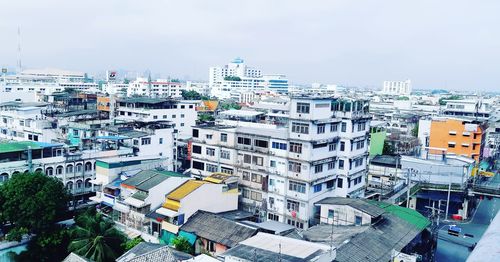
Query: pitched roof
x,y
146,179
218,229
409,215
72,257
377,242
185,189
359,204
149,252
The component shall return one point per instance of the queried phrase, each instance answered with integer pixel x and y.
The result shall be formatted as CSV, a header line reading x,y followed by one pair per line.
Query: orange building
x,y
460,137
103,103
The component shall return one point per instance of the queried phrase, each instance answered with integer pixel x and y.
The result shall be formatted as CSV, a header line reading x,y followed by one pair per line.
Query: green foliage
x,y
132,243
205,117
49,246
175,80
232,78
32,203
453,97
96,238
229,105
388,149
182,244
126,81
70,90
414,131
403,98
190,95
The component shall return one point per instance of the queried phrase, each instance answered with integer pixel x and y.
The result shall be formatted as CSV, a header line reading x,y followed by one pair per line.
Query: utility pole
x,y
408,191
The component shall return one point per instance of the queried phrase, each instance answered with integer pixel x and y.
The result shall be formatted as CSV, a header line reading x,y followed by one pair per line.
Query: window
x,y
300,128
331,165
211,168
226,170
244,141
211,246
272,163
334,127
361,126
303,108
358,220
256,196
256,178
332,147
247,159
164,116
342,146
155,117
341,164
245,193
292,205
360,144
245,176
340,181
223,137
297,186
330,183
198,165
136,142
358,162
344,127
257,160
296,147
273,217
196,133
277,145
209,137
261,143
183,106
182,115
317,188
196,149
160,141
451,144
318,168
331,213
225,154
210,151
145,141
294,166
321,128
173,116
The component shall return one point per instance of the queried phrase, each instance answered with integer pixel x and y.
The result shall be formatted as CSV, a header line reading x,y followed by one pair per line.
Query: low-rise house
x,y
217,193
366,230
269,247
214,234
150,252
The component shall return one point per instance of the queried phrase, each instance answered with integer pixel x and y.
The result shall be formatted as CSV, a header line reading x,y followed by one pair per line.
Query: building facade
x,y
400,88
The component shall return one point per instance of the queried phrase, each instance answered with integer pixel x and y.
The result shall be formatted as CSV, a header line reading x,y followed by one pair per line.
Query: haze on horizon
x,y
437,44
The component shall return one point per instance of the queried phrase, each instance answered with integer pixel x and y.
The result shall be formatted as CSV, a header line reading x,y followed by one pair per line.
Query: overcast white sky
x,y
438,44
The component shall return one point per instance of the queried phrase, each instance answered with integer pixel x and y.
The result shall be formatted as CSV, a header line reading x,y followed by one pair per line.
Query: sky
x,y
450,44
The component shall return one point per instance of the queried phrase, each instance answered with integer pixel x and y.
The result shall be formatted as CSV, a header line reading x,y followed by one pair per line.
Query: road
x,y
456,249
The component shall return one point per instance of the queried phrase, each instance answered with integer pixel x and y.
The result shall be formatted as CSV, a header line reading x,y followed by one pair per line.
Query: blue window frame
x,y
318,187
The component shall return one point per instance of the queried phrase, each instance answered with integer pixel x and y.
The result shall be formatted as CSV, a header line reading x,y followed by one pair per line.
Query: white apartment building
x,y
237,77
182,113
46,81
25,121
321,151
74,168
399,88
145,87
480,109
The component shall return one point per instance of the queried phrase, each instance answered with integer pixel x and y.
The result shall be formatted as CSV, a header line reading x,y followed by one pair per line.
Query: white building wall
x,y
209,197
343,215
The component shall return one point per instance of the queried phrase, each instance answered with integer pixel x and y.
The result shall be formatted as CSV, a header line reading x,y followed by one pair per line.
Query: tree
x,y
33,203
190,95
132,243
96,238
403,98
414,131
203,117
43,246
182,244
453,97
388,149
232,78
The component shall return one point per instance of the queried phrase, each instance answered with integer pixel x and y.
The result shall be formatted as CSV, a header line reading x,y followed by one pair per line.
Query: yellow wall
x,y
440,137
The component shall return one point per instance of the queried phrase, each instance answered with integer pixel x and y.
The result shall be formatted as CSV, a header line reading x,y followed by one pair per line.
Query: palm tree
x,y
96,238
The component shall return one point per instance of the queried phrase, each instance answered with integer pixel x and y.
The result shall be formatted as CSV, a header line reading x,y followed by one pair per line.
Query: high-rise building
x,y
317,149
237,77
401,88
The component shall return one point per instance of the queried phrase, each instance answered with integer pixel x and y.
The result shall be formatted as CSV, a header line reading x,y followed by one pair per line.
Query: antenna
x,y
19,64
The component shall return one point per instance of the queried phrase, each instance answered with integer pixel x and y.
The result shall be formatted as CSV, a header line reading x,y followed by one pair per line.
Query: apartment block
x,y
319,150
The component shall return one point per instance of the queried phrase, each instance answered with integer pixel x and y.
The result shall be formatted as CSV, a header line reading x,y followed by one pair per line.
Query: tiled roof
x,y
218,229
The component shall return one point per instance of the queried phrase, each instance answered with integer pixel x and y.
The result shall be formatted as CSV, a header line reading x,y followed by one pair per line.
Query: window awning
x,y
166,212
135,202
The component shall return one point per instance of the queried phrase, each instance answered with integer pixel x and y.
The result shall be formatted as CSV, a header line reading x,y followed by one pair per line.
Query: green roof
x,y
18,146
409,215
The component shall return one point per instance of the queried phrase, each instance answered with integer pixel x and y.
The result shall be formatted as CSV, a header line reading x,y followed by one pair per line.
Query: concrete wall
x,y
343,215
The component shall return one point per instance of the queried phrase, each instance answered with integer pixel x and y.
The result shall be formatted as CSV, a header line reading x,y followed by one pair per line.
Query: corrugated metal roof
x,y
409,215
185,189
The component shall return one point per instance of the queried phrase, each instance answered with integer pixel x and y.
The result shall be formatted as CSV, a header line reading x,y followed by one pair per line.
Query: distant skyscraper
x,y
397,87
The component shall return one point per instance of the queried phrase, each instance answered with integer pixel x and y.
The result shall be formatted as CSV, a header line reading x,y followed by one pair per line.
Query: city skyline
x,y
446,45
